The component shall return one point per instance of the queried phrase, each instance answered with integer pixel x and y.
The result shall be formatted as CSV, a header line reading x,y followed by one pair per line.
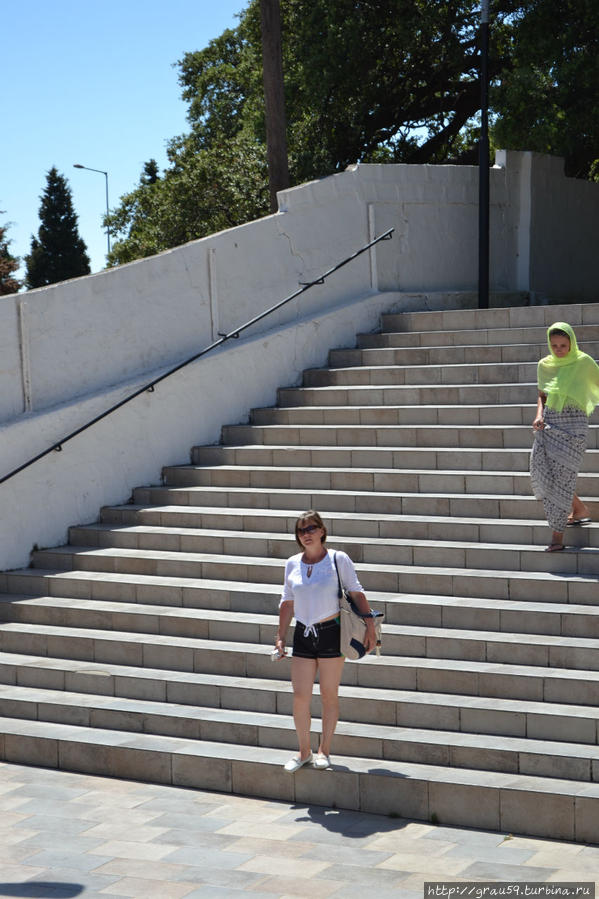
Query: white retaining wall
x,y
72,349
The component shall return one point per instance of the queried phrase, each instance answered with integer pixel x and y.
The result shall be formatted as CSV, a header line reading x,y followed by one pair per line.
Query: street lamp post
x,y
483,162
77,165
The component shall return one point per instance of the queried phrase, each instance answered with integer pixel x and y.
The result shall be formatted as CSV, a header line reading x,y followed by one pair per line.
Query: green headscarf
x,y
572,380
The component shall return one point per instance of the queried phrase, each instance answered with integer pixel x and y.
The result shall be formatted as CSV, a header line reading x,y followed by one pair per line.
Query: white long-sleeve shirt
x,y
317,597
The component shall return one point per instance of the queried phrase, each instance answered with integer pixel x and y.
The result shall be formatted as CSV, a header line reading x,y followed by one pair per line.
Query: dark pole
x,y
483,162
274,99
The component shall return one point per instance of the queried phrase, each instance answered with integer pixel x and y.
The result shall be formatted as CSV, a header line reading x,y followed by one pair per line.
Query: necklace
x,y
312,564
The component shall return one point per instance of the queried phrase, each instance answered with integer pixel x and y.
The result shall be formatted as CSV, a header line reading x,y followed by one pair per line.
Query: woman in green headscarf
x,y
568,382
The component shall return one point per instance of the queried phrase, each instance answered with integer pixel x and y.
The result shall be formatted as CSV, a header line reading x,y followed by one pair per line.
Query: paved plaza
x,y
66,835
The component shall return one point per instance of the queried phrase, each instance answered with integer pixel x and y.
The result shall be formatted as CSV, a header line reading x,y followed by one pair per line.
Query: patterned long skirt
x,y
555,461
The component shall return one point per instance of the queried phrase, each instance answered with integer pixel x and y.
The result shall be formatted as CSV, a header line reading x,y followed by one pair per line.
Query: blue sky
x,y
92,83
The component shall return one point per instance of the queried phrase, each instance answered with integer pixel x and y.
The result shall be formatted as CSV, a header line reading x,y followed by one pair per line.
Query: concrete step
x,y
499,416
447,355
416,436
533,319
248,553
412,394
209,607
374,375
354,479
365,501
570,761
437,458
80,619
443,545
535,805
341,524
463,713
394,335
557,583
443,673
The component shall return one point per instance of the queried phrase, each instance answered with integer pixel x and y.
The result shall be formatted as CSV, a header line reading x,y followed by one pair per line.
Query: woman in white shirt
x,y
311,593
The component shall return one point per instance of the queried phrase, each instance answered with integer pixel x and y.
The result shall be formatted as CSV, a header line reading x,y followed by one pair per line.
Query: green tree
x,y
58,252
547,99
203,191
367,81
8,265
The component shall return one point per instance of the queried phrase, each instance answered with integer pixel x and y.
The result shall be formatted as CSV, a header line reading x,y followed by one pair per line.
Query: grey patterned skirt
x,y
555,461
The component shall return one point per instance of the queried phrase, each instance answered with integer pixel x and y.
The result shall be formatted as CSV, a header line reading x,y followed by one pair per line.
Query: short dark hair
x,y
310,515
557,332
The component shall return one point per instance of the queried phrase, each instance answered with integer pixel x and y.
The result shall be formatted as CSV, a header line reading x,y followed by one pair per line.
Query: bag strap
x,y
354,607
340,590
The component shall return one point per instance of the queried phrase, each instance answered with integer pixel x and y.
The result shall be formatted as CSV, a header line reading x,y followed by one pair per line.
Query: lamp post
x,y
483,162
77,165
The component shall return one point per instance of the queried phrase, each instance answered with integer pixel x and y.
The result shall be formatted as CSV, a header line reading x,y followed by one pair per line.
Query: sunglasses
x,y
308,530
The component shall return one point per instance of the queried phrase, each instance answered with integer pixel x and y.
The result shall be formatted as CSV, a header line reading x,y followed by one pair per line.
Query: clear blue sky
x,y
92,82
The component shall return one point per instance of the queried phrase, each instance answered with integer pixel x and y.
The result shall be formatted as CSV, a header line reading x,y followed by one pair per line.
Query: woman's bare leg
x,y
557,542
579,509
303,673
330,677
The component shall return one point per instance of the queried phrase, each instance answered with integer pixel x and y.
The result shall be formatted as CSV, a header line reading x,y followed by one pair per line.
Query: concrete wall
x,y
70,350
129,448
554,228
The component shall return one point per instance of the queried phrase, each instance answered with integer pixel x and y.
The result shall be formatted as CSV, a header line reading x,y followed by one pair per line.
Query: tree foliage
x,y
8,265
368,81
548,96
58,252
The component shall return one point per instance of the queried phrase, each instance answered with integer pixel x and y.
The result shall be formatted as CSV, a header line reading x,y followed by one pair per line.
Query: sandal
x,y
555,548
576,522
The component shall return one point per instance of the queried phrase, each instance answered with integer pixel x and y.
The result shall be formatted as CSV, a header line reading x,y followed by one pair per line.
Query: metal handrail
x,y
232,335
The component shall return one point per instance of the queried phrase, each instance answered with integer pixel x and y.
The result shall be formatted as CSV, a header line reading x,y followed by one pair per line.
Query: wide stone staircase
x,y
142,648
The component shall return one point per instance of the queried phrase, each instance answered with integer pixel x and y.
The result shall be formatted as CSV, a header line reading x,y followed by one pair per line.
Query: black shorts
x,y
324,644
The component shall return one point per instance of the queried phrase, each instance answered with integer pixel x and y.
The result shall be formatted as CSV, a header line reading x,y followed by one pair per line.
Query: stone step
x,y
446,661
408,375
343,524
517,315
441,544
198,612
438,458
583,317
468,713
518,755
413,394
447,355
419,436
461,414
515,483
206,554
556,584
392,336
529,804
252,617
482,505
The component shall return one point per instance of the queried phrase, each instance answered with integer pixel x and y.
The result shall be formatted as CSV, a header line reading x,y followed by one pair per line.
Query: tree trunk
x,y
274,98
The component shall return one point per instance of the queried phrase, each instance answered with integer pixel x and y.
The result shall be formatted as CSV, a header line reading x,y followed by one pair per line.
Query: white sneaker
x,y
322,761
296,763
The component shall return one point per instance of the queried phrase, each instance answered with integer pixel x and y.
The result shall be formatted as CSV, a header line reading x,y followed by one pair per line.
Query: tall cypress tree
x,y
8,265
58,252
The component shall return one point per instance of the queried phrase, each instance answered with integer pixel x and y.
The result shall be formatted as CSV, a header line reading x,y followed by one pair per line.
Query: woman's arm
x,y
538,423
285,616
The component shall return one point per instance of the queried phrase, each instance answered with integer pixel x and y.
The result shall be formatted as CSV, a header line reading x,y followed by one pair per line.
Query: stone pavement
x,y
67,835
